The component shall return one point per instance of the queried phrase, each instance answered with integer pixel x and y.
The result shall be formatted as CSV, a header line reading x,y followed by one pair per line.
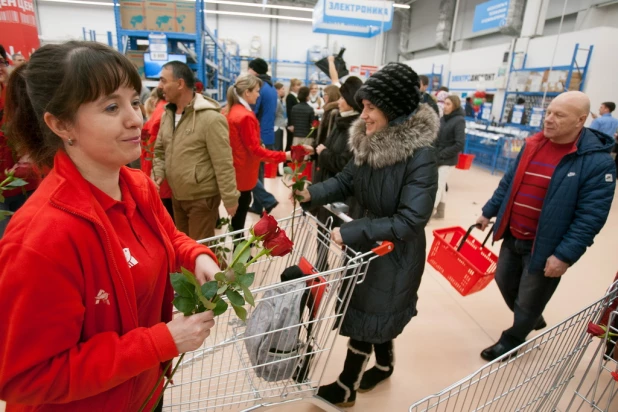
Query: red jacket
x,y
149,137
69,336
247,148
8,159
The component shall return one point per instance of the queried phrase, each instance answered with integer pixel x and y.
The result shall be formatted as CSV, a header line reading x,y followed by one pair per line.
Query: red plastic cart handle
x,y
383,248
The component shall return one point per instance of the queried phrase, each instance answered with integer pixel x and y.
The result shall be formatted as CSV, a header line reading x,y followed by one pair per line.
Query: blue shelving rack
x,y
573,67
215,65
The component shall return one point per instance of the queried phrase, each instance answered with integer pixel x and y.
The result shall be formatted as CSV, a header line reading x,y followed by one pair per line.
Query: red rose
x,y
267,227
595,330
280,245
615,376
298,153
315,124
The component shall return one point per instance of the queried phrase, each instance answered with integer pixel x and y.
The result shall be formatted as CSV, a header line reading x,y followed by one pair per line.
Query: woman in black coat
x,y
333,154
302,118
450,142
394,178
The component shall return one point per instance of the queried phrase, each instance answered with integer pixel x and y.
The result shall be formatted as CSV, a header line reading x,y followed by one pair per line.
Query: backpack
x,y
272,335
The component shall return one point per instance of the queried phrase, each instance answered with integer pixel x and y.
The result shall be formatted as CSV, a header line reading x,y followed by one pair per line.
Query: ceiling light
x,y
401,6
264,16
88,3
268,6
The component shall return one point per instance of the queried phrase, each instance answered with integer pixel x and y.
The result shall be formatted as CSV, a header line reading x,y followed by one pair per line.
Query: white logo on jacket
x,y
102,296
131,261
609,178
571,174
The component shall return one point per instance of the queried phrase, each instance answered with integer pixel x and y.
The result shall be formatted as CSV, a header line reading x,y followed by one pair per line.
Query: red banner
x,y
18,32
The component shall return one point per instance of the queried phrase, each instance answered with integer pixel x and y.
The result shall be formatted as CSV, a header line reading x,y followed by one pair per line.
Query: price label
x,y
158,47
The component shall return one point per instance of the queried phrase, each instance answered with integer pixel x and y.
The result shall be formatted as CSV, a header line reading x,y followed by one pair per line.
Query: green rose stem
x,y
167,382
262,253
167,368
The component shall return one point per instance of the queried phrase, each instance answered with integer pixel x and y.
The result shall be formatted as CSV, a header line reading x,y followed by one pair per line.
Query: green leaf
x,y
185,305
240,269
220,277
220,308
240,312
209,289
191,278
244,257
17,183
222,290
248,295
288,170
235,297
182,286
1,198
302,167
207,304
247,279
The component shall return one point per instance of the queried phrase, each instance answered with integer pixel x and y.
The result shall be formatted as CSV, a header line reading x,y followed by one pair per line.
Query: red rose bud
x,y
615,376
298,153
595,330
280,245
315,124
266,227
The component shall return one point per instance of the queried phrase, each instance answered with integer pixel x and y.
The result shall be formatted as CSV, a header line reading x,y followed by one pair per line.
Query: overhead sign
x,y
490,15
360,18
483,79
157,46
18,27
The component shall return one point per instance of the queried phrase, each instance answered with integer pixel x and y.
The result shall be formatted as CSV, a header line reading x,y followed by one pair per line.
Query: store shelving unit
x,y
214,65
535,99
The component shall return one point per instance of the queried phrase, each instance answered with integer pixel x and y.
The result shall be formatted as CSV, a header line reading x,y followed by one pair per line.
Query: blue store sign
x,y
490,15
361,18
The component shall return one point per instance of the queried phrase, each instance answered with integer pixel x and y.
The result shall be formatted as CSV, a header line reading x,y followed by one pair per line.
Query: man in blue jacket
x,y
265,109
549,207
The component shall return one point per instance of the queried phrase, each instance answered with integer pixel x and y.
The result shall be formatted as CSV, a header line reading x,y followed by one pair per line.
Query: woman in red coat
x,y
85,295
245,140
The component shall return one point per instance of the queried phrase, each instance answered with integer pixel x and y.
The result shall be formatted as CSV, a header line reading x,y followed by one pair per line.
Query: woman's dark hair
x,y
58,79
303,94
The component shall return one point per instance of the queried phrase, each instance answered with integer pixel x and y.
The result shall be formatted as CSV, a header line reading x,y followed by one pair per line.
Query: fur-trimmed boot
x,y
342,392
385,362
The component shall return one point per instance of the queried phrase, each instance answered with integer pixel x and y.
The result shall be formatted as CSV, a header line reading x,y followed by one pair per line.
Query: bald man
x,y
555,197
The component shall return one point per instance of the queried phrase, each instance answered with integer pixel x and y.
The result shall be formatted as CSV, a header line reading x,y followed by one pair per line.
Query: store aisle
x,y
442,344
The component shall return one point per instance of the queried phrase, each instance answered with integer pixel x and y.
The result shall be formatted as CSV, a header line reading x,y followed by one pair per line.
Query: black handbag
x,y
342,71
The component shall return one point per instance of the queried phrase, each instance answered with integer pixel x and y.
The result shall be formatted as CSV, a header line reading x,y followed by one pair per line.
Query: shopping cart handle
x,y
383,248
463,241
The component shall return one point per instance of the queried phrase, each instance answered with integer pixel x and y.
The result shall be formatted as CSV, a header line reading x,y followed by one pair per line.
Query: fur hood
x,y
395,143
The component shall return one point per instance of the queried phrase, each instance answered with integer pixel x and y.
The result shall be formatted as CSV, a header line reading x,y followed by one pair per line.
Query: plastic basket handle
x,y
470,231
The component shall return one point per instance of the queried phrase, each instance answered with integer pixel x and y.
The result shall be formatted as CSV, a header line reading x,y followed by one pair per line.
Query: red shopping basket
x,y
465,161
462,260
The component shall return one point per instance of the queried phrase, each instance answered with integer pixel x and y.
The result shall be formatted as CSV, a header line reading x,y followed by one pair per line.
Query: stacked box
x,y
133,14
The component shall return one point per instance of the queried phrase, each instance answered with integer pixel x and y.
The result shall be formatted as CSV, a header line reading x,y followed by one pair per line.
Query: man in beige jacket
x,y
193,152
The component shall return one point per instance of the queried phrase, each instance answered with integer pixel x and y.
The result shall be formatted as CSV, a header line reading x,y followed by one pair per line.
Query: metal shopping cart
x,y
220,375
535,375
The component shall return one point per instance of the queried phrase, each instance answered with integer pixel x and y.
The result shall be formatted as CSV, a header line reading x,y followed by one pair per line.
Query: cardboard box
x,y
185,16
161,15
137,57
576,79
133,14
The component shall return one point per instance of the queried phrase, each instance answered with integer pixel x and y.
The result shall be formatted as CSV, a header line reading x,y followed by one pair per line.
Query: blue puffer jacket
x,y
577,203
266,109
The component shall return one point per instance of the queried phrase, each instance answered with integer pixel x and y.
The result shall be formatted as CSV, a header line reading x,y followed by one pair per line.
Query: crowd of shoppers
x,y
385,147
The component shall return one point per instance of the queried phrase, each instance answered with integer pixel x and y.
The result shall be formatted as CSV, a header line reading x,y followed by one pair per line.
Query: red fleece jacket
x,y
69,338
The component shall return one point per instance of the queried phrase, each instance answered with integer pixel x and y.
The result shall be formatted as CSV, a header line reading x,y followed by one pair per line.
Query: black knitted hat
x,y
348,91
259,65
394,89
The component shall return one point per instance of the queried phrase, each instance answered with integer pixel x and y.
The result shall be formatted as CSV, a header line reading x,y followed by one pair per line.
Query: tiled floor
x,y
442,344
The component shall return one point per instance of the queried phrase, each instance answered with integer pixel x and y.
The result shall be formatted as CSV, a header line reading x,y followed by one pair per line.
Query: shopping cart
x,y
220,374
535,375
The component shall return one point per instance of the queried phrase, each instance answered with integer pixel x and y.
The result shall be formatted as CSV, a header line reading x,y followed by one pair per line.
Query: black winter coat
x,y
451,138
394,177
302,116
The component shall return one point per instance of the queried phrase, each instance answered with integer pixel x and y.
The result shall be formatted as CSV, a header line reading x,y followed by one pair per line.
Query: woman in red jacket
x,y
84,265
245,140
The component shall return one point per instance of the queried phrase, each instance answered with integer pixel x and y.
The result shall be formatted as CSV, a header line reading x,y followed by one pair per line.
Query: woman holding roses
x,y
85,263
245,140
394,177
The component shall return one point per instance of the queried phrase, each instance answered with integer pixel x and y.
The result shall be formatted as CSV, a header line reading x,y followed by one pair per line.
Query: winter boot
x,y
440,211
342,392
385,362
